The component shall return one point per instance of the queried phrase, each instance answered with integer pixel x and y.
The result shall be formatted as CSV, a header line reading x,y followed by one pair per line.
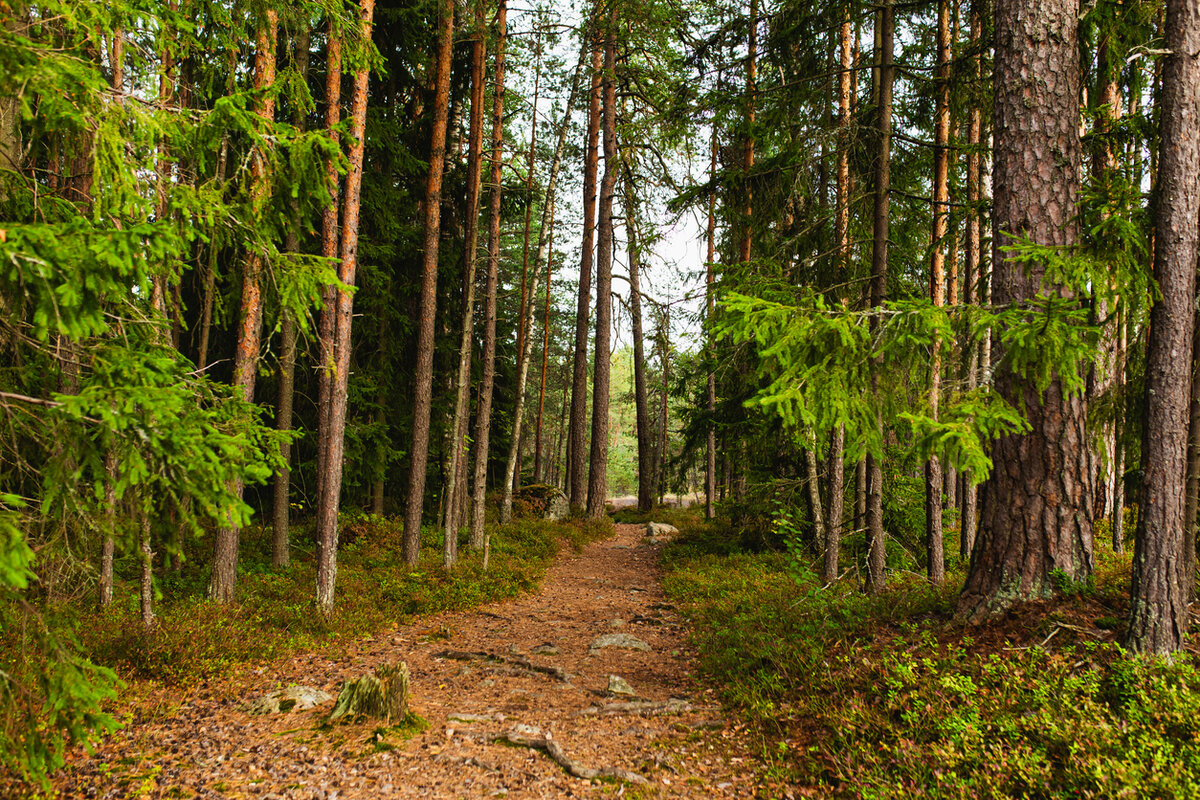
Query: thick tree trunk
x,y
641,403
327,517
598,455
459,450
937,286
577,460
423,381
483,413
245,365
1158,612
885,29
1037,515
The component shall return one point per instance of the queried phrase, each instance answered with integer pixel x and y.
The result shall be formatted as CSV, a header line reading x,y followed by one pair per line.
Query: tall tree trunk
x,y
974,274
108,548
744,244
538,477
641,404
832,539
1037,515
598,455
280,555
577,462
146,583
483,413
937,286
812,483
885,30
329,250
423,381
330,499
1191,490
530,168
710,238
458,453
1158,612
224,573
665,360
526,353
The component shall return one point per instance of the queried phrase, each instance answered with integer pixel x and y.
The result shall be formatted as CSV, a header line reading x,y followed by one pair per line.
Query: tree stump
x,y
382,695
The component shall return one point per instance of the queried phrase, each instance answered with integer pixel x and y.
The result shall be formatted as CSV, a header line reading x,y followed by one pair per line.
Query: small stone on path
x,y
618,640
618,685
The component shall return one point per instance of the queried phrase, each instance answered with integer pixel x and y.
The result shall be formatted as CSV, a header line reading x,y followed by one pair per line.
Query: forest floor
x,y
523,669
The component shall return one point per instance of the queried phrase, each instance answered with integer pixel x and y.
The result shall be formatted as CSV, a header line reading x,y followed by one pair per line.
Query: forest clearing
x,y
631,398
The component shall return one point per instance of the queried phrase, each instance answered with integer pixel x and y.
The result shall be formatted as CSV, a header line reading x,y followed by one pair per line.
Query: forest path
x,y
204,745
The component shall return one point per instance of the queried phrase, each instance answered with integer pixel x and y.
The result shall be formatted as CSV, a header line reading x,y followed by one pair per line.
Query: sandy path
x,y
204,745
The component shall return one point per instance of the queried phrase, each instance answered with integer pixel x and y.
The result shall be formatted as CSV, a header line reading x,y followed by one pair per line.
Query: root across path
x,y
583,688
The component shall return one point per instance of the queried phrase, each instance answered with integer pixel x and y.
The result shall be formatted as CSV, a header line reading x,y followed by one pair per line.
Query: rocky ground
x,y
584,688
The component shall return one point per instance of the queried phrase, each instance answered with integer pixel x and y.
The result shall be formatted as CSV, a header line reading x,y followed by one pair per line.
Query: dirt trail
x,y
206,746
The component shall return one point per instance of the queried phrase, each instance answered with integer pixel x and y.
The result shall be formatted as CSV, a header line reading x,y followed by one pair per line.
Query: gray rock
x,y
618,640
661,530
283,701
557,507
618,685
545,649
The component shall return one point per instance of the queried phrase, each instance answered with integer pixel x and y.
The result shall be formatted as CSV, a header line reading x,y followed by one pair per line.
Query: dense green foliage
x,y
883,696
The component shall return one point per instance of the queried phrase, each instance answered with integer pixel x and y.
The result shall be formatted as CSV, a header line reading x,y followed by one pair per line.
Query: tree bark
x,y
577,462
747,237
423,381
327,518
538,477
224,574
884,74
937,286
483,413
459,449
146,583
1037,515
329,250
973,278
710,278
280,555
641,404
1158,613
598,455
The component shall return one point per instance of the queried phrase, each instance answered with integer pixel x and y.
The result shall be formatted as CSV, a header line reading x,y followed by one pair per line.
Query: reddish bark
x,y
327,514
1037,516
245,363
577,430
598,454
1158,612
483,413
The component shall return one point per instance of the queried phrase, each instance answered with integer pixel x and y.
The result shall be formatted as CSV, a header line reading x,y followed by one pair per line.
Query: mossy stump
x,y
382,695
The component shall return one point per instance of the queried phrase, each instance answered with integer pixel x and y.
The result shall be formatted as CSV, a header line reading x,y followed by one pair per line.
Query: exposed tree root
x,y
646,708
526,736
514,663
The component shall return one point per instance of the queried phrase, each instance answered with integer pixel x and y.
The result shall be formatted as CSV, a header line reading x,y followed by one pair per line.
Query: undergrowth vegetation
x,y
276,616
887,697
